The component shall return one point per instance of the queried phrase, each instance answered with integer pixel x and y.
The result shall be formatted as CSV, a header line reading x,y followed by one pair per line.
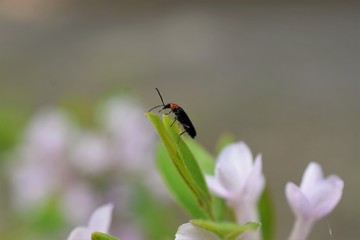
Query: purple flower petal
x,y
298,201
255,181
312,175
328,195
216,187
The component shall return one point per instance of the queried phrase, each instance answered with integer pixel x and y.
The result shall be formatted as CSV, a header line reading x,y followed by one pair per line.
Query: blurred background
x,y
77,76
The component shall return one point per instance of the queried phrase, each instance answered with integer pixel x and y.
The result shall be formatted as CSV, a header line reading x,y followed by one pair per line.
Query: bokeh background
x,y
76,77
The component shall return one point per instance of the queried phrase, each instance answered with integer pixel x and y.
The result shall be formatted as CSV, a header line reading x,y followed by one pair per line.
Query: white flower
x,y
189,231
314,199
239,180
99,221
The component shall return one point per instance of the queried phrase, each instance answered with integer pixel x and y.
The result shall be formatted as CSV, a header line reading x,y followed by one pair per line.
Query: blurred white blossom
x,y
91,153
38,163
83,167
316,197
47,136
132,136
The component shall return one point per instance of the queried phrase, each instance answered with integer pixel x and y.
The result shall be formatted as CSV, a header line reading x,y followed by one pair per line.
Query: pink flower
x,y
314,199
240,181
99,221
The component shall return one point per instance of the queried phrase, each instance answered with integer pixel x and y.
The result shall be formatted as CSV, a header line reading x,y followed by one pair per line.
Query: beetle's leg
x,y
173,121
180,135
168,112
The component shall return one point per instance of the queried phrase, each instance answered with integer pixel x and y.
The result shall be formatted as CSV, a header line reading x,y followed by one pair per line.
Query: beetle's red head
x,y
170,105
173,106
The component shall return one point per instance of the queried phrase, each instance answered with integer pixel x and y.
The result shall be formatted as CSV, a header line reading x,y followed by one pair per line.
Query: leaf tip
x,y
102,236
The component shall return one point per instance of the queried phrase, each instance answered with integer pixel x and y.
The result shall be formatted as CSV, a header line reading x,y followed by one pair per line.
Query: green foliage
x,y
225,230
47,218
266,213
12,121
207,164
191,165
102,236
176,185
184,161
205,160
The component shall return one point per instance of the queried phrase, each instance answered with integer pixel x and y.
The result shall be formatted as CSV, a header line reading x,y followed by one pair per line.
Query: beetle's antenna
x,y
163,104
160,96
155,107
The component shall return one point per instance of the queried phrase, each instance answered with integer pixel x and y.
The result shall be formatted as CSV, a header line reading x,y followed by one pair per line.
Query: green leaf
x,y
188,158
176,185
183,160
219,208
225,230
207,164
266,213
205,160
102,236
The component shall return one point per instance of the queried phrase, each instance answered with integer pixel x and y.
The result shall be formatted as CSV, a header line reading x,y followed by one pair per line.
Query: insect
x,y
180,115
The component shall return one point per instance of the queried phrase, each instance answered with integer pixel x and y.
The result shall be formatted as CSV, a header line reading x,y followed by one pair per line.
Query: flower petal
x,y
189,231
298,201
215,187
312,175
327,196
255,181
233,165
100,220
80,233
